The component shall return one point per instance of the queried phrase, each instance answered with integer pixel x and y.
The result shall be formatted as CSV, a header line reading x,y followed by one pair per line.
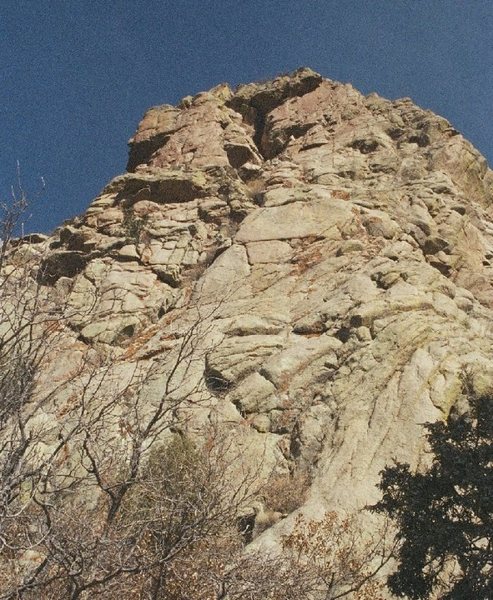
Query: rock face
x,y
338,249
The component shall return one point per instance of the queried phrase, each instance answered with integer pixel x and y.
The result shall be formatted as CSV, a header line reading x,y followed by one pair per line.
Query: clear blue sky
x,y
77,75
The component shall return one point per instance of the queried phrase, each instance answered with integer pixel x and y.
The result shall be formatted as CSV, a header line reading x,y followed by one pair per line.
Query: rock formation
x,y
336,248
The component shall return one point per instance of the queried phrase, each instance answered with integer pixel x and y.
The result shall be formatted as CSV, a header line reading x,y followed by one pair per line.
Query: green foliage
x,y
176,472
179,498
445,514
132,226
169,492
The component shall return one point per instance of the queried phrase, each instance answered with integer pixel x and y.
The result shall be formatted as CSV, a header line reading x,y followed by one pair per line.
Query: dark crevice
x,y
299,129
356,321
125,334
215,382
62,264
395,133
168,277
421,140
343,334
141,152
246,525
364,146
255,109
259,126
84,340
441,267
238,155
217,253
314,145
160,191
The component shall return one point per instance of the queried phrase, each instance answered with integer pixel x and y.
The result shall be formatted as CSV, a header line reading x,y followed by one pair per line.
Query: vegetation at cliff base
x,y
444,515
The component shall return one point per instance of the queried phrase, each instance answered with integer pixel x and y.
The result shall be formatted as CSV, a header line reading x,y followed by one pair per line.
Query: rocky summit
x,y
332,254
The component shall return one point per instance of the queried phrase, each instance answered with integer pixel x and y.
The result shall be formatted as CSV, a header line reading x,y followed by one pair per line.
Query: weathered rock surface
x,y
338,250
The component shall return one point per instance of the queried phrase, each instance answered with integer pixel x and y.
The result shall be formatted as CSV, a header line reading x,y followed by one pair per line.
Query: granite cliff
x,y
337,250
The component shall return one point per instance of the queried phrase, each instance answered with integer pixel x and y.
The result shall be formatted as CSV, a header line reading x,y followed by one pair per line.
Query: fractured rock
x,y
332,254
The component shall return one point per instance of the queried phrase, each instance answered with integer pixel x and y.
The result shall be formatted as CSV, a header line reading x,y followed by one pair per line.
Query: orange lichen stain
x,y
138,341
341,194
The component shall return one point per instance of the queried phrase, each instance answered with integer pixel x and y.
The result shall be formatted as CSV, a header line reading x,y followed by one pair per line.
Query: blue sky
x,y
77,76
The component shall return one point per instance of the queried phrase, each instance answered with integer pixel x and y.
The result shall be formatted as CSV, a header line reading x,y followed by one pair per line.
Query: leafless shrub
x,y
286,492
327,559
100,495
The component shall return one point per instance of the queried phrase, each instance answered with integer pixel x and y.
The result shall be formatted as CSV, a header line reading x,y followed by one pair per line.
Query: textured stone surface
x,y
338,250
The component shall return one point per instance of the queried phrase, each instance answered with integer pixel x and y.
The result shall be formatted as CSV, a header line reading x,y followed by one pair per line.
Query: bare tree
x,y
97,494
103,494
